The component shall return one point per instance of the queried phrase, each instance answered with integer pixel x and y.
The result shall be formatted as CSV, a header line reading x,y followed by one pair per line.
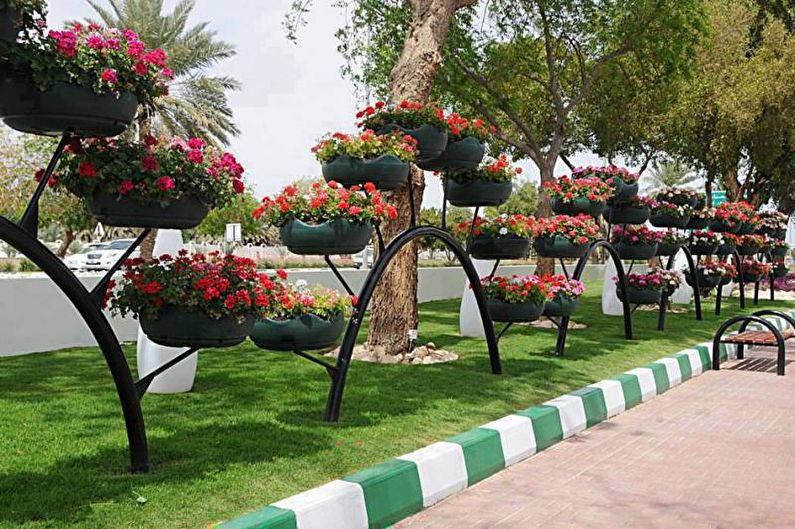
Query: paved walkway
x,y
716,452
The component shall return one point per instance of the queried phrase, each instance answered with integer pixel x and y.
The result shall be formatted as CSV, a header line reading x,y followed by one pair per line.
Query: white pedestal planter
x,y
611,305
178,379
469,317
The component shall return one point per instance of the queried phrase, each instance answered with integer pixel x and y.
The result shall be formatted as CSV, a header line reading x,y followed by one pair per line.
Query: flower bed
x,y
425,123
635,242
488,185
703,242
645,288
516,298
153,183
563,295
754,271
573,196
668,215
623,182
501,237
565,236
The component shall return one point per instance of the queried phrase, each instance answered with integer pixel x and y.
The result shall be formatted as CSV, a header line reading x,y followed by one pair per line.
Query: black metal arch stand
x,y
691,264
339,373
746,320
23,236
719,295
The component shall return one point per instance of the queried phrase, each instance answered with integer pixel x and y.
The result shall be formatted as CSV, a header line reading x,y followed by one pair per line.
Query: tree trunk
x,y
144,128
547,169
147,247
731,181
394,308
68,239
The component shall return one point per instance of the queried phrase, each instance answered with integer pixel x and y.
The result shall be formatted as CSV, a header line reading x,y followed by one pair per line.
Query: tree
x,y
669,173
523,200
239,211
17,167
433,217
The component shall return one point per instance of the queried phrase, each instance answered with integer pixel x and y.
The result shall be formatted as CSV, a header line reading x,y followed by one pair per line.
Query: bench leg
x,y
782,349
740,351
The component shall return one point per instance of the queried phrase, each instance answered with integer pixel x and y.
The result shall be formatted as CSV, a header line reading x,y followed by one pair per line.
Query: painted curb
x,y
389,492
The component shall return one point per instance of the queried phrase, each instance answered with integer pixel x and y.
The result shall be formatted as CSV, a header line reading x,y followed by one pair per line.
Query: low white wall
x,y
35,316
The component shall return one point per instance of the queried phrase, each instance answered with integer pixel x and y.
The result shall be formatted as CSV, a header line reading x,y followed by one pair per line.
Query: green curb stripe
x,y
706,358
593,400
482,453
660,377
546,425
392,491
684,366
268,518
631,388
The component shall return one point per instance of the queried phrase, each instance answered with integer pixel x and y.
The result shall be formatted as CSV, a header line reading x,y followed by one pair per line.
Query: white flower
x,y
503,231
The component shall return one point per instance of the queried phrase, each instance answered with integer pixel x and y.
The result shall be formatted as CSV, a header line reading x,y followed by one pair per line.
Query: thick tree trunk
x,y
394,308
731,181
547,170
68,239
145,127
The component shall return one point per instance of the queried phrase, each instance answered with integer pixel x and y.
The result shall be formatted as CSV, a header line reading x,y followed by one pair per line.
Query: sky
x,y
292,93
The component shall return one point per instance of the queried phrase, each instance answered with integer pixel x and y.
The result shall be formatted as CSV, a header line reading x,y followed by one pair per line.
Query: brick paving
x,y
716,452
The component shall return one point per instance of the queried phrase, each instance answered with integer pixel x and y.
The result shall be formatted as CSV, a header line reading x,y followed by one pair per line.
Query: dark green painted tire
x,y
499,247
558,247
666,249
667,221
187,212
635,251
458,156
640,296
579,205
514,312
386,172
477,193
304,333
560,306
626,214
703,249
176,328
431,140
333,237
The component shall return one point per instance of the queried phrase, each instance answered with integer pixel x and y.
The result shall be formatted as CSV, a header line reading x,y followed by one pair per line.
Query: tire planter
x,y
560,306
701,203
304,333
697,223
176,328
10,20
477,193
64,108
577,206
637,296
751,278
780,271
723,227
725,280
704,282
779,251
725,249
488,248
387,172
746,228
514,312
703,249
560,247
678,200
635,251
185,213
623,192
458,156
747,249
626,214
667,221
665,249
333,237
431,141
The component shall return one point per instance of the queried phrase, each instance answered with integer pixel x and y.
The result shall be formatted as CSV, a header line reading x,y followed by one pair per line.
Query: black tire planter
x,y
745,228
701,203
386,172
477,193
635,251
725,249
64,108
667,221
431,141
560,306
703,249
176,328
488,248
577,206
779,251
458,156
666,249
187,212
638,296
559,247
333,237
704,282
304,333
747,249
697,223
10,22
723,227
626,214
751,278
780,271
514,312
725,280
678,200
623,192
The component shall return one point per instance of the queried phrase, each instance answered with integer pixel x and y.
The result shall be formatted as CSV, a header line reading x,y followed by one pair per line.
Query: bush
x,y
8,267
27,266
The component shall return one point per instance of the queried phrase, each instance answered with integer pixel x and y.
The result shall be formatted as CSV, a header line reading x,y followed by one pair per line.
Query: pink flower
x,y
95,41
168,73
165,183
135,48
130,34
110,76
238,185
141,68
156,57
196,156
126,186
195,143
149,164
113,43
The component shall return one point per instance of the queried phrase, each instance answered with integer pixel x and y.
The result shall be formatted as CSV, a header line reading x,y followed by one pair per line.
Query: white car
x,y
77,261
105,258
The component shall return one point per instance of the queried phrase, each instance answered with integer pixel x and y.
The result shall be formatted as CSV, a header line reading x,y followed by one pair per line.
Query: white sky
x,y
292,94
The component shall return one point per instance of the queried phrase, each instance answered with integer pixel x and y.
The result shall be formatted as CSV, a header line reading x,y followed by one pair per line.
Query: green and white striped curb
x,y
384,494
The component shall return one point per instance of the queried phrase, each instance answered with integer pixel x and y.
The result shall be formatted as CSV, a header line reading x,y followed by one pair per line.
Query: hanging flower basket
x,y
502,237
755,271
355,160
488,185
458,156
306,332
706,281
333,237
561,306
635,243
10,23
640,296
635,212
666,249
563,236
698,221
175,327
678,197
727,244
488,248
184,213
724,227
515,312
624,183
779,250
645,288
431,141
750,244
559,247
515,299
668,215
703,249
773,224
577,206
575,196
636,251
564,296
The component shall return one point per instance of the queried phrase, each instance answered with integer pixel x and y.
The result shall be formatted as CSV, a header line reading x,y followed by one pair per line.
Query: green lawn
x,y
252,432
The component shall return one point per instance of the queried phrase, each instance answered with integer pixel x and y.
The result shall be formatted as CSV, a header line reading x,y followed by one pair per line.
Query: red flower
x,y
149,164
151,288
110,76
282,274
195,143
230,302
238,185
126,186
165,183
87,169
150,140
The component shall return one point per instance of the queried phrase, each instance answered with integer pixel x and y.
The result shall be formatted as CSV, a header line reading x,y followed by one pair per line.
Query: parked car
x,y
104,258
364,259
77,261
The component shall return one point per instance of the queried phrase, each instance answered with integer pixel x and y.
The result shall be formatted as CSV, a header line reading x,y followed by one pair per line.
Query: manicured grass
x,y
252,432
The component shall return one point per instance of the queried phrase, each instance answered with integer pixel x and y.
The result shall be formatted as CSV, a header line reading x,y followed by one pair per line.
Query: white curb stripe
x,y
516,436
614,396
335,505
695,361
442,470
648,388
572,414
672,370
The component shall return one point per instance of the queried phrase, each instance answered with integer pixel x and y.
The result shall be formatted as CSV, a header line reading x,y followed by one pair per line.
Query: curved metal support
x,y
691,264
739,262
92,314
349,340
746,320
563,331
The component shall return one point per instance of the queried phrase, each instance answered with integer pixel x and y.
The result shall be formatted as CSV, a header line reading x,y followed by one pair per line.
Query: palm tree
x,y
669,173
197,105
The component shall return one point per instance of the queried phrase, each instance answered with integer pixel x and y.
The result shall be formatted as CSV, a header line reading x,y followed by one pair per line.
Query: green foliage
x,y
433,217
7,267
238,211
27,266
523,201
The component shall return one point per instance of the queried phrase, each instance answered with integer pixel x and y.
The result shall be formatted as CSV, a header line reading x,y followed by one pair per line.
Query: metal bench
x,y
773,336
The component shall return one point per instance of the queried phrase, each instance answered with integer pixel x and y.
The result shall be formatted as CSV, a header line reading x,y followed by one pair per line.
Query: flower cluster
x,y
561,287
33,12
635,236
705,237
716,269
366,146
515,289
640,201
675,194
459,127
672,280
670,209
673,237
406,114
655,279
499,170
151,171
730,213
756,268
292,300
500,226
325,201
581,229
107,60
727,238
214,285
754,241
566,189
705,213
608,173
773,220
